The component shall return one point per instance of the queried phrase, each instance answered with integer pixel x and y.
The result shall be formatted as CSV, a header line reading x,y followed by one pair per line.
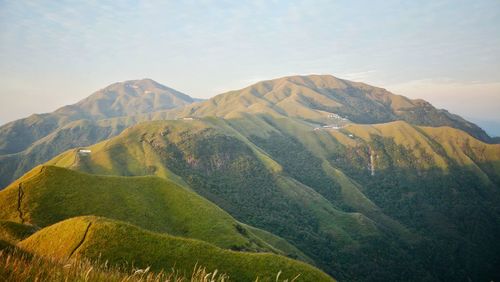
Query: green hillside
x,y
94,237
315,188
48,195
34,140
13,232
219,163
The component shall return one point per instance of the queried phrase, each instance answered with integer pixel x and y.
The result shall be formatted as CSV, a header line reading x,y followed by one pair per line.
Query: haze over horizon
x,y
446,52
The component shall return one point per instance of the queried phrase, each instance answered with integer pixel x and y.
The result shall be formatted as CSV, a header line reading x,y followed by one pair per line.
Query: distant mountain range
x,y
311,98
30,141
117,100
363,184
34,140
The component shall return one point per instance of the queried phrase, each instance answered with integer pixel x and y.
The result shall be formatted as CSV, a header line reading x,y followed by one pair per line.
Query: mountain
x,y
28,142
365,184
321,100
97,238
314,98
119,99
127,98
390,192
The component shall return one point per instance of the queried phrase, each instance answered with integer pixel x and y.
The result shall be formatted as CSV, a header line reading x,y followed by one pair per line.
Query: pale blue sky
x,y
57,52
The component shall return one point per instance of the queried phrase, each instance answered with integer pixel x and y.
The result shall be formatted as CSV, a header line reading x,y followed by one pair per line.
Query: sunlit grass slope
x,y
50,194
315,187
17,265
31,141
204,147
219,160
124,244
314,97
13,232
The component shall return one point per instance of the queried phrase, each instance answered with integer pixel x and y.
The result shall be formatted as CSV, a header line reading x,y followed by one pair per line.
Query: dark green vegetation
x,y
93,238
395,201
299,184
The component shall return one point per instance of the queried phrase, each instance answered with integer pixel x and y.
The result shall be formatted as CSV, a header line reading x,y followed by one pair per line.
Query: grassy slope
x,y
435,147
273,142
31,141
51,194
431,150
13,232
93,237
170,145
320,144
16,265
312,98
440,182
126,154
73,134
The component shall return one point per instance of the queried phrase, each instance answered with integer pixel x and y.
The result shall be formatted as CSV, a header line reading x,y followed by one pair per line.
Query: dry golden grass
x,y
18,266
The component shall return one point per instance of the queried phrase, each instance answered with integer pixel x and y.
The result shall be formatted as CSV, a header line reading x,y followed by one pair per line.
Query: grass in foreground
x,y
119,243
19,266
16,265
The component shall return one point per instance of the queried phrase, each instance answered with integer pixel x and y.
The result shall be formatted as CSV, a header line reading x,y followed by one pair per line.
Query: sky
x,y
54,53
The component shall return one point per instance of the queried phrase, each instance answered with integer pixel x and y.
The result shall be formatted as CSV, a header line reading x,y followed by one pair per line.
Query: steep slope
x,y
390,193
13,232
28,142
93,238
324,99
441,183
47,195
222,165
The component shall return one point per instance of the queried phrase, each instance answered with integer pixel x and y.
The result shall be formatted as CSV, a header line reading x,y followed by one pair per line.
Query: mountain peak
x,y
311,81
318,98
139,84
144,83
131,97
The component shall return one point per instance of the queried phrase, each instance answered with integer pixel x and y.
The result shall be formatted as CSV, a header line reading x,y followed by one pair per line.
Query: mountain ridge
x,y
95,238
115,100
320,100
313,97
27,142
